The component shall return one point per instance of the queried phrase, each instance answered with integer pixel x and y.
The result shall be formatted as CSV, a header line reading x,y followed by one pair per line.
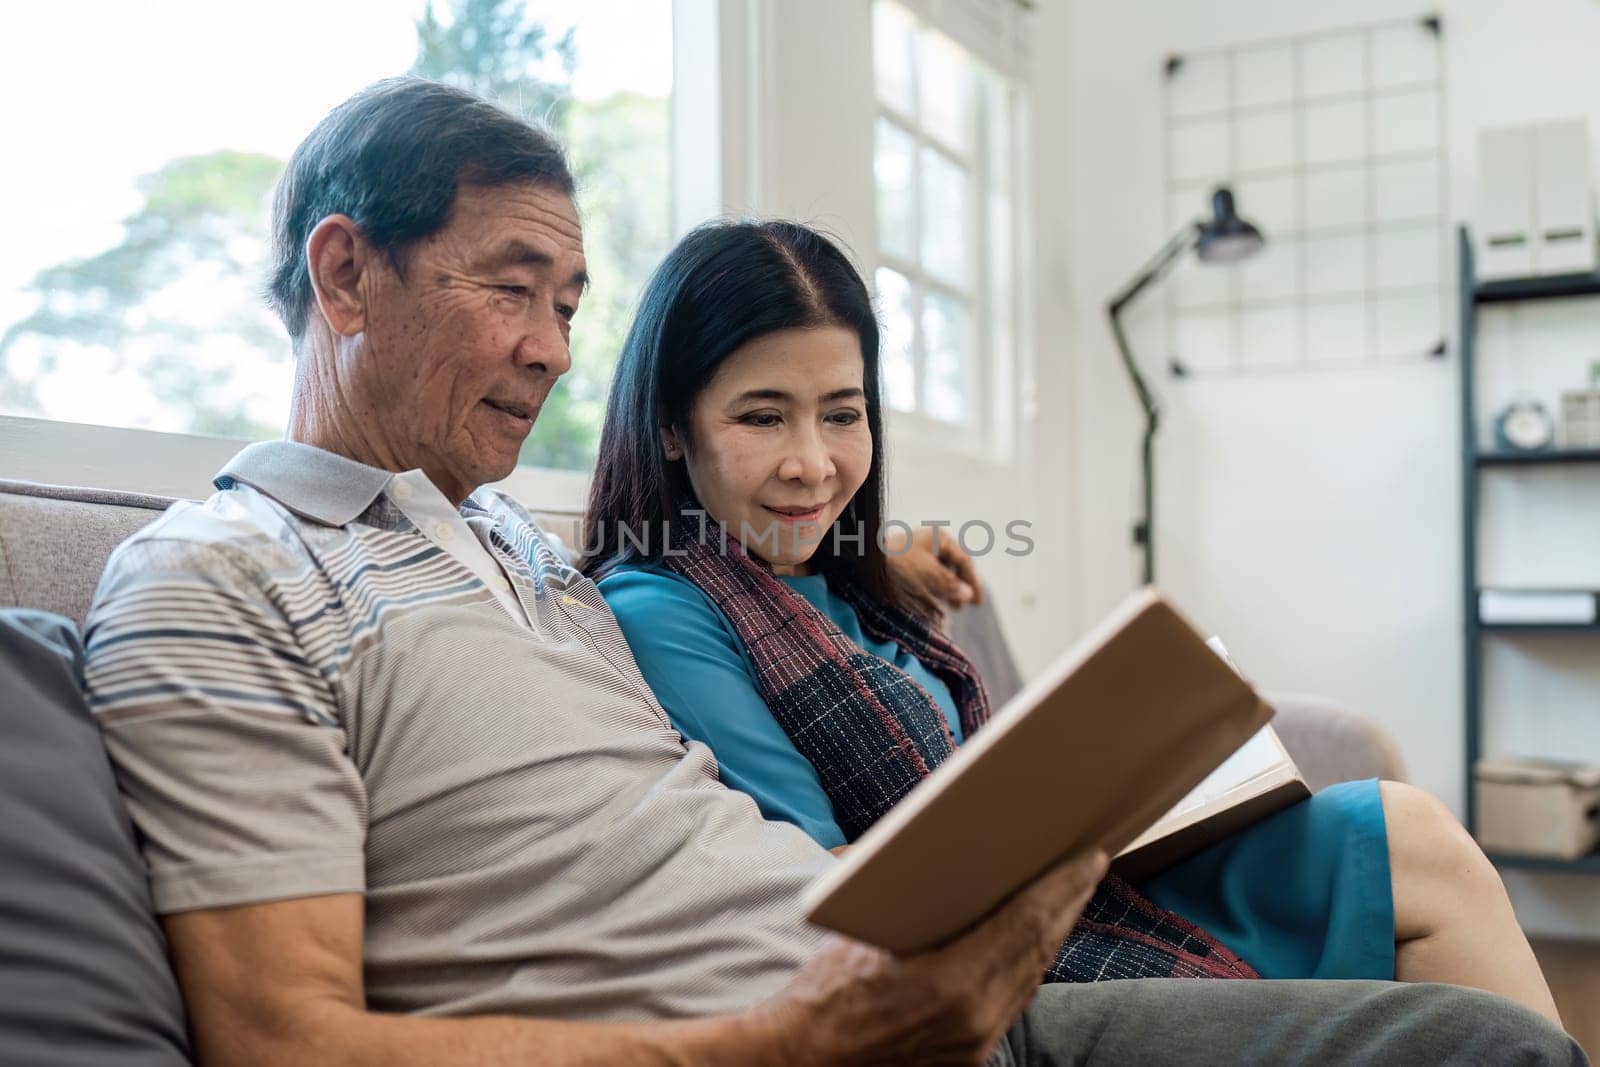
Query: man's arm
x,y
281,983
933,566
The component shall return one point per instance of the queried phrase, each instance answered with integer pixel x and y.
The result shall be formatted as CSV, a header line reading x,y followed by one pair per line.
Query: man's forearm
x,y
343,1035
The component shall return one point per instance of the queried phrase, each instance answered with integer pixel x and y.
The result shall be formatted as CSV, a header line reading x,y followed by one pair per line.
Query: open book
x,y
1133,725
1257,781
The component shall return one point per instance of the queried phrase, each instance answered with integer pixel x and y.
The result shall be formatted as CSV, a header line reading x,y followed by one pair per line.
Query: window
x,y
129,284
944,185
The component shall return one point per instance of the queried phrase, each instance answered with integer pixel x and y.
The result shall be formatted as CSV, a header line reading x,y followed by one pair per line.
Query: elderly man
x,y
404,796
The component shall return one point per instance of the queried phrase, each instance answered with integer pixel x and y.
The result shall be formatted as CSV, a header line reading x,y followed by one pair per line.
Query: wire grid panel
x,y
1334,144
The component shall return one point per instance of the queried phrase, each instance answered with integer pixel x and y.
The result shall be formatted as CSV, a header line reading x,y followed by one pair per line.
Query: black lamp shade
x,y
1225,237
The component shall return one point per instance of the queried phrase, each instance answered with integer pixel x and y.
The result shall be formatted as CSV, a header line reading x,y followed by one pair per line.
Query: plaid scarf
x,y
873,733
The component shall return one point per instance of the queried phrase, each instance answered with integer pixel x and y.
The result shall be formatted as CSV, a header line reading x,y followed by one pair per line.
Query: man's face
x,y
462,350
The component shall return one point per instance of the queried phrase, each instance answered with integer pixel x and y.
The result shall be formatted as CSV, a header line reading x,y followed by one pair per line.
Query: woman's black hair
x,y
724,285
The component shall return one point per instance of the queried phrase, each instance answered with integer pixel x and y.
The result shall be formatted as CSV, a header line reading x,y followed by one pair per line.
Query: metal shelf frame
x,y
1550,457
1472,294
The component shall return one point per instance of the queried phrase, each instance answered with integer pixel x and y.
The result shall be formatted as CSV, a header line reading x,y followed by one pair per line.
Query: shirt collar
x,y
314,484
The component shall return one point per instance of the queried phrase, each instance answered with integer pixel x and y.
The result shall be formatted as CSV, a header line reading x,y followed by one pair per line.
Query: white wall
x,y
1313,519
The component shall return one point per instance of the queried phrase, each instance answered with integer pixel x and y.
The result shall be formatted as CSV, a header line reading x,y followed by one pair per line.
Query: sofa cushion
x,y
54,541
84,974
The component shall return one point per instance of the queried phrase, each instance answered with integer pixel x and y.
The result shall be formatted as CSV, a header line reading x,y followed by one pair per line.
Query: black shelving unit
x,y
1472,295
1547,457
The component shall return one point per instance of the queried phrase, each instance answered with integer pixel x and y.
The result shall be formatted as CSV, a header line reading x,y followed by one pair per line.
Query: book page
x,y
1256,757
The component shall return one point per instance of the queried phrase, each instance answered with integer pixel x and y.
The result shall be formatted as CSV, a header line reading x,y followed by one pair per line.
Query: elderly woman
x,y
734,529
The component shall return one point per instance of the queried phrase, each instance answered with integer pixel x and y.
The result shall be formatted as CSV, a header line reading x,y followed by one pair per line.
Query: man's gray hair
x,y
391,158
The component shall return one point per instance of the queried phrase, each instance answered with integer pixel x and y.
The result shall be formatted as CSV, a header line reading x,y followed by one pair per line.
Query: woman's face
x,y
779,442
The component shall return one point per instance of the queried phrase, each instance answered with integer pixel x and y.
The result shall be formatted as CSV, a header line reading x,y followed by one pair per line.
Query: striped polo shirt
x,y
304,693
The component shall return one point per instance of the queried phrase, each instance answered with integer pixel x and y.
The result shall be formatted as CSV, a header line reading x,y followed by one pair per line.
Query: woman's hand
x,y
932,565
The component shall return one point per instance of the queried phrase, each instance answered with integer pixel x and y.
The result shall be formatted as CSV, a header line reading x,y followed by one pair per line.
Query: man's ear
x,y
670,443
338,258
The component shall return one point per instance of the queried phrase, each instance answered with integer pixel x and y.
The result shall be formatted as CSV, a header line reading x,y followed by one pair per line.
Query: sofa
x,y
84,976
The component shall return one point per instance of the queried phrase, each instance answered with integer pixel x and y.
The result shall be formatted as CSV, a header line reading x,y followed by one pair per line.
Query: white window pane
x,y
945,75
947,329
897,312
892,166
892,34
946,218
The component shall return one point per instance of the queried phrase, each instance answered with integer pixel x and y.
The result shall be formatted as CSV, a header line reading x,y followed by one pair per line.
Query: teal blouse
x,y
706,682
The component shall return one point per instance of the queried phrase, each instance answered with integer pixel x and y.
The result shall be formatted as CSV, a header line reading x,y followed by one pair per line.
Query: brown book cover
x,y
1092,753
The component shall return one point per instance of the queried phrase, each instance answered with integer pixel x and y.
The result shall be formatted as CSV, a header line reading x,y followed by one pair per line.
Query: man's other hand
x,y
932,565
857,1004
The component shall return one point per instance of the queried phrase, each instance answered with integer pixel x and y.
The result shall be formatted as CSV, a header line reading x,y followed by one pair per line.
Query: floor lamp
x,y
1223,238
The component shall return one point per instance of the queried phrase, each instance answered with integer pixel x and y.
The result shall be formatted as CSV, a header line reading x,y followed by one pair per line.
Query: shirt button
x,y
402,491
502,585
442,531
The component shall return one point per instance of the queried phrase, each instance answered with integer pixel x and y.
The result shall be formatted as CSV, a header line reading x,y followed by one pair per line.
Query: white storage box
x,y
1538,807
1535,204
1580,418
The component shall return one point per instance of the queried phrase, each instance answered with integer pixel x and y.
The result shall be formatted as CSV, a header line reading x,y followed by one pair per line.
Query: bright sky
x,y
98,92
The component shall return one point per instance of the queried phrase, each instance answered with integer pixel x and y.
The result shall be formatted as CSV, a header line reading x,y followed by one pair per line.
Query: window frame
x,y
995,336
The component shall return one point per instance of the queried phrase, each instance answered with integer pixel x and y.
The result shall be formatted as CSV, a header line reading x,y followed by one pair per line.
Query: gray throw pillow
x,y
84,976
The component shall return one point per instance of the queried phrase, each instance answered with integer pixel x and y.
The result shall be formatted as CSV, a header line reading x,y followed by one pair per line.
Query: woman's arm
x,y
700,673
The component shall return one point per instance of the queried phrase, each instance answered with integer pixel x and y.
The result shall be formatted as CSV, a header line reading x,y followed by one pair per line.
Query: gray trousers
x,y
1196,1021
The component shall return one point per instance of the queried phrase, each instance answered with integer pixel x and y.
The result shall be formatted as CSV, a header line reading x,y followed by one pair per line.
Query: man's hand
x,y
857,1004
932,565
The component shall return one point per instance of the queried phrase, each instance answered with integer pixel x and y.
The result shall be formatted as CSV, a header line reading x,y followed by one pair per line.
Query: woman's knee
x,y
1432,858
1421,828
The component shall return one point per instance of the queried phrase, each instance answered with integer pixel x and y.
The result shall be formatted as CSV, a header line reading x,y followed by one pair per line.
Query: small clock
x,y
1523,426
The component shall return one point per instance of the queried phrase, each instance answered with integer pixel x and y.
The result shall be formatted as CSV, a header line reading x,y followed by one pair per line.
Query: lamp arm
x,y
1153,270
1156,266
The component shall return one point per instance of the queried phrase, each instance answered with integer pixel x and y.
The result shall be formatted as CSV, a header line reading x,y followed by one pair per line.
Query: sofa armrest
x,y
1332,744
975,630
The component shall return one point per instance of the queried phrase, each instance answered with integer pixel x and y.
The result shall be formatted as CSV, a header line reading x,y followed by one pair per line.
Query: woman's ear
x,y
670,443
